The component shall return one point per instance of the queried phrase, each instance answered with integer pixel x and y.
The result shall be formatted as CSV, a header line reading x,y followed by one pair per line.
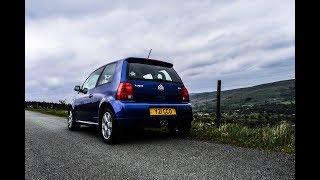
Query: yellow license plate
x,y
162,111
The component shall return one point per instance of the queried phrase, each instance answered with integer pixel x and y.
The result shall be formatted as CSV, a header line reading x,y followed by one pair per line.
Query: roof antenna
x,y
149,53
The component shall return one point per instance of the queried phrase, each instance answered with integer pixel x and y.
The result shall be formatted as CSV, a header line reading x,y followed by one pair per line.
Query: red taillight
x,y
125,91
185,94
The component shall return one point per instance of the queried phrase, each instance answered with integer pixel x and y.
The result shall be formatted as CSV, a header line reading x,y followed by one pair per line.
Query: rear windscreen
x,y
152,73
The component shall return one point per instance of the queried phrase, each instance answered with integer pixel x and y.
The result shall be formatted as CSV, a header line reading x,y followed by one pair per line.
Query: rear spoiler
x,y
149,61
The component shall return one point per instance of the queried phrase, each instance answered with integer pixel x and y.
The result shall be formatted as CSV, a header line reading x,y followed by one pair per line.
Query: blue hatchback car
x,y
132,93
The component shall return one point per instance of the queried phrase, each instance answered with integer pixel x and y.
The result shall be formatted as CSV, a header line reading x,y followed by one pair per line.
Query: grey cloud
x,y
205,40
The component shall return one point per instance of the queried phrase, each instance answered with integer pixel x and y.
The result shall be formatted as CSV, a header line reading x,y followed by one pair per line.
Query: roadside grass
x,y
280,137
55,112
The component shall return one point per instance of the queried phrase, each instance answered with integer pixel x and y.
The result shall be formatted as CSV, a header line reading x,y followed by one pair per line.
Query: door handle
x,y
90,95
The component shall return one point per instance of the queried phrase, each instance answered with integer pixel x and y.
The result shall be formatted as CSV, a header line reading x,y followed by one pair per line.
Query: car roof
x,y
143,60
148,61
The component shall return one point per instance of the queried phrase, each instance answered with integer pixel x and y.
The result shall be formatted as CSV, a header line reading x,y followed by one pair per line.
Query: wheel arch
x,y
103,105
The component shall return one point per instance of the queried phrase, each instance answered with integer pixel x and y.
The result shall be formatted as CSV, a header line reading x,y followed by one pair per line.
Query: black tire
x,y
183,129
138,130
111,138
172,130
72,124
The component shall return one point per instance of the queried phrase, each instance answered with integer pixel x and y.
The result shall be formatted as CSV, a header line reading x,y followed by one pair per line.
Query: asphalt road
x,y
53,152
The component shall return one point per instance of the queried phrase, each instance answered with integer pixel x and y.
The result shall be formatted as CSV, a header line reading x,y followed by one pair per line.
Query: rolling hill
x,y
275,93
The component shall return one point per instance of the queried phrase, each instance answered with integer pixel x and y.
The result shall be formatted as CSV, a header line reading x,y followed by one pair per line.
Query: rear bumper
x,y
137,114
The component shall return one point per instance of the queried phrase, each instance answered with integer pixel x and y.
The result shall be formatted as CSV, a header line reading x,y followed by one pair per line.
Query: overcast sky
x,y
242,42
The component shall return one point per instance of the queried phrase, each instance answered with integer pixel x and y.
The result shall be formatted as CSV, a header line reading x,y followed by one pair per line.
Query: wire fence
x,y
266,104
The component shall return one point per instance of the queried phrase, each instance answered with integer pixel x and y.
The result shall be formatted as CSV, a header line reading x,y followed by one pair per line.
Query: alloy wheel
x,y
70,119
106,125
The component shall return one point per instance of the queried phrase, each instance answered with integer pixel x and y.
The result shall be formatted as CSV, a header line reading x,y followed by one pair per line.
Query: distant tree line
x,y
62,105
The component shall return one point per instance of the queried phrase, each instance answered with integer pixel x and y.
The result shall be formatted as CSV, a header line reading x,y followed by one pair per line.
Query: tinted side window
x,y
107,74
91,82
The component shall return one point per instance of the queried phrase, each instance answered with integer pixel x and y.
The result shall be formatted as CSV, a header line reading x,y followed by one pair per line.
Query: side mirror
x,y
84,90
77,88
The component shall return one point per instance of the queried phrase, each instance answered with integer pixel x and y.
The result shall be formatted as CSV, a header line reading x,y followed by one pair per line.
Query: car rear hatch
x,y
154,81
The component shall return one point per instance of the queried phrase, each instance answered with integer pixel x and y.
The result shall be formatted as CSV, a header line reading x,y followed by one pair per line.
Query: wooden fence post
x,y
218,110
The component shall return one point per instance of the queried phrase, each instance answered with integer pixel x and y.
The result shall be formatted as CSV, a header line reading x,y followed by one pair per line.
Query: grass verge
x,y
55,112
280,137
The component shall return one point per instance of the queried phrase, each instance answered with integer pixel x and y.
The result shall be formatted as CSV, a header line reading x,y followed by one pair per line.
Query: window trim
x,y
91,74
103,71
